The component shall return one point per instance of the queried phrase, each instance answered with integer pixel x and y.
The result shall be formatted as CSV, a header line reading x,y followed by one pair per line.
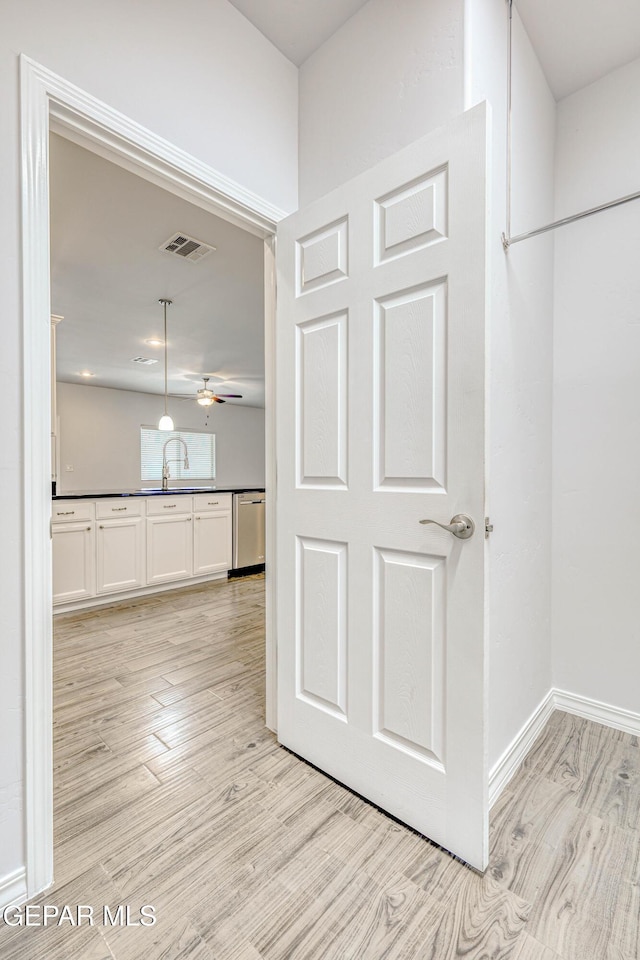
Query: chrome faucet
x,y
165,462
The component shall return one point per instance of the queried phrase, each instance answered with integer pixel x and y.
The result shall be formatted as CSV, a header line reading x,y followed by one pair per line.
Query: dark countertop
x,y
154,492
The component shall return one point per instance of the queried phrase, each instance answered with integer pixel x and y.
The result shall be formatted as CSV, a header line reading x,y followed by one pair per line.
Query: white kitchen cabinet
x,y
212,541
120,554
73,560
131,546
169,547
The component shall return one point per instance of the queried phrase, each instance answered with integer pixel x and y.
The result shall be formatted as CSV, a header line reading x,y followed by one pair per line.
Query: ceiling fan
x,y
206,397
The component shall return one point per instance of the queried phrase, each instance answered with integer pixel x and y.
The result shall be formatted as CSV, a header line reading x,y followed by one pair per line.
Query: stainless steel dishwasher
x,y
248,529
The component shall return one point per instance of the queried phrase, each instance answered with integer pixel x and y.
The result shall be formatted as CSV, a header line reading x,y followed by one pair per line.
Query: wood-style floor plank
x,y
170,791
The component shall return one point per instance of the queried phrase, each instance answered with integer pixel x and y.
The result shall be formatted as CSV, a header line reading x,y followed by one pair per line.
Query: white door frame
x,y
49,102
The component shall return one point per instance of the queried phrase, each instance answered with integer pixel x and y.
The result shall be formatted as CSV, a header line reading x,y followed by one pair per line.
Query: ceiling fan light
x,y
166,423
205,401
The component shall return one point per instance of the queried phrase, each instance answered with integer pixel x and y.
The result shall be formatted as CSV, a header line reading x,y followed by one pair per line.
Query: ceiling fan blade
x,y
238,395
218,400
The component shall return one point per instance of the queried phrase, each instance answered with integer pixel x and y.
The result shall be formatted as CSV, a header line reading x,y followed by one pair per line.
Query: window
x,y
201,447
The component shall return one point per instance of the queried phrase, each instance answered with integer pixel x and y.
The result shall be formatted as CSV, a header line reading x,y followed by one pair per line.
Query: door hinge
x,y
488,528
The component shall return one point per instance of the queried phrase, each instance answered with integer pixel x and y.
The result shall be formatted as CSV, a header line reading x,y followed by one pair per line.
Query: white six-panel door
x,y
380,424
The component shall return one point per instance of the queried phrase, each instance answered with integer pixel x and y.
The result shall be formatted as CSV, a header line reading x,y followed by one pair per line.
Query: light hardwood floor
x,y
169,791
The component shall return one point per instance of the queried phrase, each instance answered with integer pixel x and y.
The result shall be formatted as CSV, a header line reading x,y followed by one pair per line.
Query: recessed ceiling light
x,y
86,373
154,342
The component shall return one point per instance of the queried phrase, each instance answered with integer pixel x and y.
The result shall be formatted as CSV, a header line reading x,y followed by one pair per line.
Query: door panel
x,y
410,380
381,423
321,374
321,633
409,624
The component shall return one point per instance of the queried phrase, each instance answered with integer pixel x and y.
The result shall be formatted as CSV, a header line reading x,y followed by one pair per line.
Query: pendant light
x,y
166,423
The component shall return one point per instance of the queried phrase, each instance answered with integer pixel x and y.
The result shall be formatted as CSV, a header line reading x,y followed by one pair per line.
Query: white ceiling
x,y
298,27
579,41
107,275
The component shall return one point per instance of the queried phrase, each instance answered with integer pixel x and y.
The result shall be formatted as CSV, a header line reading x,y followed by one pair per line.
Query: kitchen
x,y
119,529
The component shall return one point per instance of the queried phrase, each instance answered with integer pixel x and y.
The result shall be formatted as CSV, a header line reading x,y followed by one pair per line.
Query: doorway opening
x,y
51,105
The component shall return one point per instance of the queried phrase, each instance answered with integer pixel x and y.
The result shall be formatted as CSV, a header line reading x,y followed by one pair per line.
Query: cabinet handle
x,y
65,513
116,509
213,504
88,529
189,519
169,506
197,518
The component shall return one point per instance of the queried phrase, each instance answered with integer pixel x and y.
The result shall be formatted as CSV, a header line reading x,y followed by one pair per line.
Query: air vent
x,y
186,247
146,360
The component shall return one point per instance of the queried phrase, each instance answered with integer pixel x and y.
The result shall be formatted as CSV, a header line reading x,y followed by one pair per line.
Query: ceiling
x,y
298,27
107,275
579,41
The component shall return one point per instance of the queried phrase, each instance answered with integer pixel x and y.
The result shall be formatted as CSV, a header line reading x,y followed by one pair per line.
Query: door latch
x,y
488,528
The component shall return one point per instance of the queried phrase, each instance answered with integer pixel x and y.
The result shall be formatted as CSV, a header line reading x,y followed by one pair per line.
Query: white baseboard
x,y
504,769
599,712
594,710
13,888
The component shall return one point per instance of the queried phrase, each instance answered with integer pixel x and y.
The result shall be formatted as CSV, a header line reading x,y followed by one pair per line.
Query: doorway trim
x,y
49,102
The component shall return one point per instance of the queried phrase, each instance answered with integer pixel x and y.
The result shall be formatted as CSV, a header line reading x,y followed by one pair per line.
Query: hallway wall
x,y
387,77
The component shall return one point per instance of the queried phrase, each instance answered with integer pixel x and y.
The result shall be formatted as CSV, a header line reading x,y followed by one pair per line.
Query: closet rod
x,y
507,239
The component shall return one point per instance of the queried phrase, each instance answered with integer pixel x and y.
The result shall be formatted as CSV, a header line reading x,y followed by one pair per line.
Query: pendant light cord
x,y
164,304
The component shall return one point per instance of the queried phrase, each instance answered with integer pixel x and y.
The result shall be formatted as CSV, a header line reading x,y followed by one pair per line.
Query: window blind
x,y
201,447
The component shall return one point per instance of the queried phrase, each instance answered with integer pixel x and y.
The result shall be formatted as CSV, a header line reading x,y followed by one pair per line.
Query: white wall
x,y
520,356
100,437
596,509
198,74
393,72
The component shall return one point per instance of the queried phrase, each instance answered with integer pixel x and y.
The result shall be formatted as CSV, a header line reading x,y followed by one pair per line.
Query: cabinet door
x,y
169,548
120,555
212,542
73,561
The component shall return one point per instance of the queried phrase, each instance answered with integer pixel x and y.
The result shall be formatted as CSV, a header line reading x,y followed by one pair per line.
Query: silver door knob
x,y
461,526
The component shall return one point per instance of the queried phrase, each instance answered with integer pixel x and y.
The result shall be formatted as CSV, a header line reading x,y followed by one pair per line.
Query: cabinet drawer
x,y
69,510
108,509
204,502
165,506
